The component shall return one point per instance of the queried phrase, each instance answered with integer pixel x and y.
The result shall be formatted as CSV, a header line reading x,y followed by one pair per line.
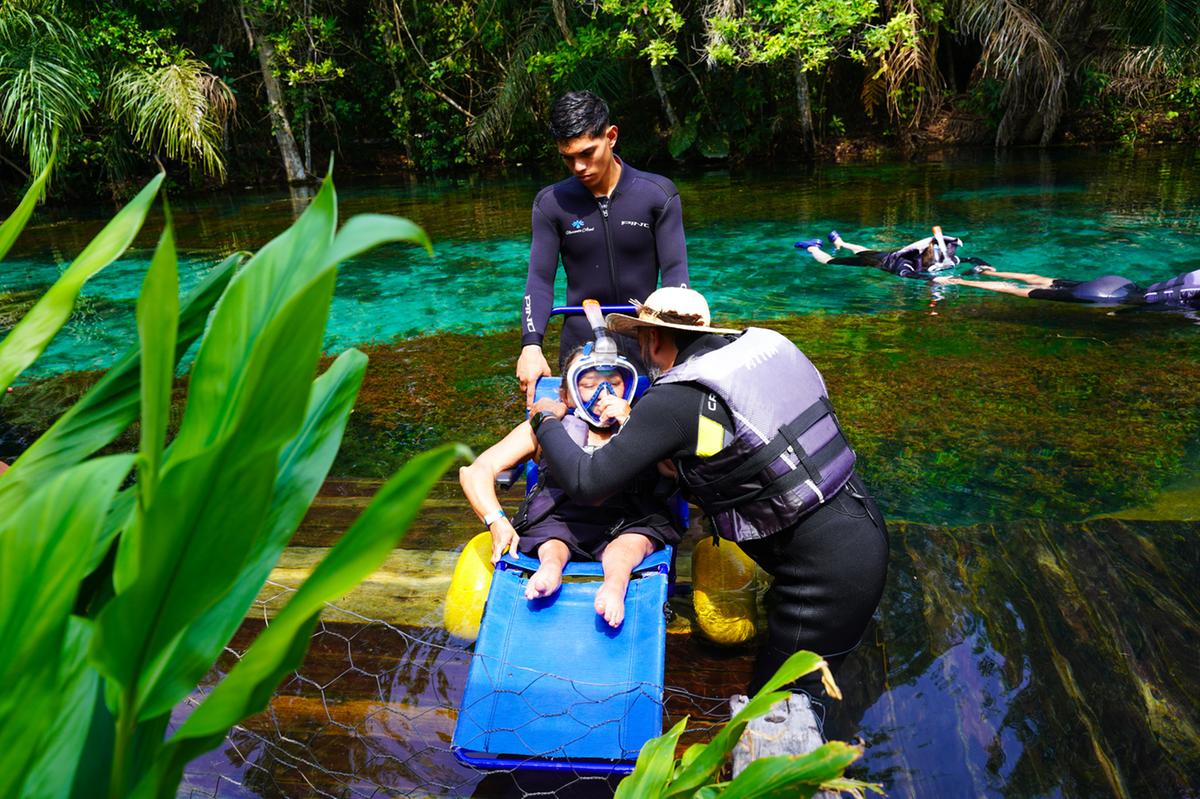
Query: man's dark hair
x,y
578,114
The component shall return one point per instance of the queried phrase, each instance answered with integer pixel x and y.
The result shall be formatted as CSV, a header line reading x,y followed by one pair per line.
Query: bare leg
x,y
820,255
619,559
553,556
997,286
839,242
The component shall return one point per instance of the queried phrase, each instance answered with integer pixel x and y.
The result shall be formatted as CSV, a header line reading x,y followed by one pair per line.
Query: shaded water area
x,y
1039,463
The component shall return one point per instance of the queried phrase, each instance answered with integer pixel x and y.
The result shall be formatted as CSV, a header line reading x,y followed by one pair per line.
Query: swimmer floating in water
x,y
1182,291
920,260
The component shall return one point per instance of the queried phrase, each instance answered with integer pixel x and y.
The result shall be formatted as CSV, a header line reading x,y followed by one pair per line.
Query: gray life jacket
x,y
787,454
1181,291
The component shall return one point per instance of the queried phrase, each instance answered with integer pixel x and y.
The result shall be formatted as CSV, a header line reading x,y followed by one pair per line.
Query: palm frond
x,y
1024,57
516,85
46,82
179,108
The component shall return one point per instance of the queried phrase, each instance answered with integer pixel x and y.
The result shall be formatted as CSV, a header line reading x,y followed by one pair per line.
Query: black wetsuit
x,y
613,249
1182,291
911,261
829,567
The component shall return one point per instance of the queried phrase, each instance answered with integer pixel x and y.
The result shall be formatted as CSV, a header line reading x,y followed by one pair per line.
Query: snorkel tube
x,y
942,257
601,356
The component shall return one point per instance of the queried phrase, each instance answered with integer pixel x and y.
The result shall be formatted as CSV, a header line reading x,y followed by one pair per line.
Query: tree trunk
x,y
672,120
292,164
560,16
807,136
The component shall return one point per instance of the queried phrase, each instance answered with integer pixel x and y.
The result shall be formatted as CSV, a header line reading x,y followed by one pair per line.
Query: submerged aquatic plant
x,y
116,601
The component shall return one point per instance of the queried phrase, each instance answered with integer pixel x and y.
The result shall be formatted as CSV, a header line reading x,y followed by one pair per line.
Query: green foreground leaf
x,y
28,339
12,227
280,648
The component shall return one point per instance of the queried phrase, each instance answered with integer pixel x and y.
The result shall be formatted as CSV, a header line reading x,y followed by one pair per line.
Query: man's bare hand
x,y
531,366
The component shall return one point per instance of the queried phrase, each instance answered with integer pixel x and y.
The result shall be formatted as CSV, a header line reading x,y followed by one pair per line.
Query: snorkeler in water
x,y
921,260
1182,291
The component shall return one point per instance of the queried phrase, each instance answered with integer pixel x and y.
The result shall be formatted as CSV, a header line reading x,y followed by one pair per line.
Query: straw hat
x,y
670,306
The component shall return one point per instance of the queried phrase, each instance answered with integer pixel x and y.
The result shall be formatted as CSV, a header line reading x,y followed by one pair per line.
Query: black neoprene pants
x,y
829,571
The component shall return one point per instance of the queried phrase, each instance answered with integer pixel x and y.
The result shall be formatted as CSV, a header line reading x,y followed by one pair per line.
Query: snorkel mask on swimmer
x,y
600,370
943,251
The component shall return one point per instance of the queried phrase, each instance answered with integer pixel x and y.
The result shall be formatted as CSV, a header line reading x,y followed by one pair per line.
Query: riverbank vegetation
x,y
264,90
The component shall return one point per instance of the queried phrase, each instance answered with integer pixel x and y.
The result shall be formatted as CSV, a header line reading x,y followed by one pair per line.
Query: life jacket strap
x,y
786,482
788,437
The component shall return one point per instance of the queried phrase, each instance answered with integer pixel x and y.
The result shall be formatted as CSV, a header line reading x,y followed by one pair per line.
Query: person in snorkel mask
x,y
747,422
618,530
921,260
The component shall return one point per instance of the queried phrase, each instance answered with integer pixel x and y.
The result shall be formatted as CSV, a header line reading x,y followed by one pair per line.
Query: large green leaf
x,y
220,379
158,322
708,762
195,539
26,341
44,545
367,231
219,475
280,648
110,406
303,465
12,227
793,777
54,772
655,765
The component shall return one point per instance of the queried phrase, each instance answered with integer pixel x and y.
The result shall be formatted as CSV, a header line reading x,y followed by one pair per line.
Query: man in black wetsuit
x,y
616,228
788,497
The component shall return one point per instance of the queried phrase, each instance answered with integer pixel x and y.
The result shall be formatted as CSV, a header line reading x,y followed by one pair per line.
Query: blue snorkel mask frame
x,y
600,355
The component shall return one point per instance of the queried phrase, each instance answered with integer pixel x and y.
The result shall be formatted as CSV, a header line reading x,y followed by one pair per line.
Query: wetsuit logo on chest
x,y
579,226
635,223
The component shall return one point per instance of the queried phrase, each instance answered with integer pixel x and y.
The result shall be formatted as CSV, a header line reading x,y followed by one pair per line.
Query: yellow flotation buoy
x,y
469,588
723,592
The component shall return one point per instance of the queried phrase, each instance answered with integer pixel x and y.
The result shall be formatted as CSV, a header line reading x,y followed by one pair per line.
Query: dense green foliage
x,y
115,599
432,85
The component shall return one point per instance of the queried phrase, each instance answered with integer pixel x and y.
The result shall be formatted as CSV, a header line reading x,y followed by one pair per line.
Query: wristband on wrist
x,y
536,420
494,517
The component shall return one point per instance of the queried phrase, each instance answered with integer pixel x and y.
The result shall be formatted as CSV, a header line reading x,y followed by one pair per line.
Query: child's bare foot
x,y
545,581
610,602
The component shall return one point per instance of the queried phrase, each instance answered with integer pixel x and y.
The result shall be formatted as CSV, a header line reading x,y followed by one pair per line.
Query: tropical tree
x,y
60,68
46,82
806,34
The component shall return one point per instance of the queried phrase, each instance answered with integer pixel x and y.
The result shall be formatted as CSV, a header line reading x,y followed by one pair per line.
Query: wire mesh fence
x,y
372,710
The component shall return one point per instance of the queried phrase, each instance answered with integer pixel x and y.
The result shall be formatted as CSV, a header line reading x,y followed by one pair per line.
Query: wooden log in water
x,y
408,589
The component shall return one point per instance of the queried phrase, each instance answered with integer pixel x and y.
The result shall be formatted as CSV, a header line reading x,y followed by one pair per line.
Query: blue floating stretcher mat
x,y
552,686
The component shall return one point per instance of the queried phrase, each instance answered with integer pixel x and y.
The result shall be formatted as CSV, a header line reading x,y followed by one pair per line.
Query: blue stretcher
x,y
551,686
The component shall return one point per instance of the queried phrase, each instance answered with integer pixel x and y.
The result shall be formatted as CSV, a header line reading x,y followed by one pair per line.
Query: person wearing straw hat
x,y
745,422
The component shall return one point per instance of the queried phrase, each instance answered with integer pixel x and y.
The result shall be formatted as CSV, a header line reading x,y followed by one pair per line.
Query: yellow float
x,y
469,588
723,592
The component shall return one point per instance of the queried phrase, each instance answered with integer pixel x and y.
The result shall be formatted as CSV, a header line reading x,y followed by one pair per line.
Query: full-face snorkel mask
x,y
943,252
600,362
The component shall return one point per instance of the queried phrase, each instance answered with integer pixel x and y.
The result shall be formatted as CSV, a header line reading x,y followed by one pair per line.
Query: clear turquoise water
x,y
1076,214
